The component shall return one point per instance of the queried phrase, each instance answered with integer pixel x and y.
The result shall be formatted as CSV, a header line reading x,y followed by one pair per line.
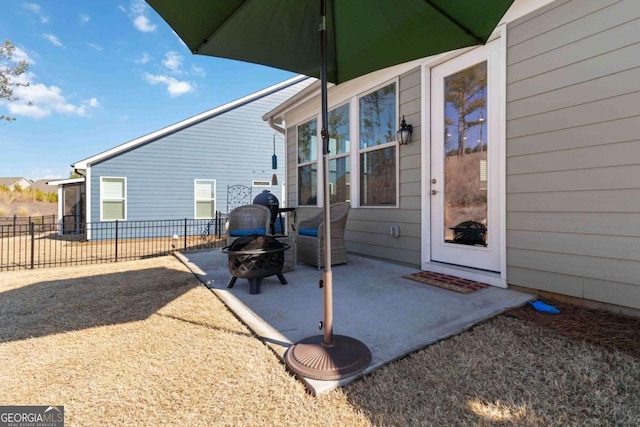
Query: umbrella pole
x,y
327,275
327,357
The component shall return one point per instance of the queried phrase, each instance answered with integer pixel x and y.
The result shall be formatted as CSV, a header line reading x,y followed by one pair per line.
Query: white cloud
x,y
84,19
173,61
53,39
198,71
19,55
39,100
144,58
47,173
95,46
138,14
143,24
35,8
174,87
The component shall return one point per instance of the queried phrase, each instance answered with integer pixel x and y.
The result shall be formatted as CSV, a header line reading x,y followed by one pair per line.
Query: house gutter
x,y
275,126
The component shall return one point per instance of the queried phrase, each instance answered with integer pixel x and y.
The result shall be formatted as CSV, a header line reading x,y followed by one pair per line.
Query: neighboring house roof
x,y
11,181
83,164
41,184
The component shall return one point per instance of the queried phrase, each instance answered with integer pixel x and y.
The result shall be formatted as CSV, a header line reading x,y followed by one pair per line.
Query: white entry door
x,y
466,160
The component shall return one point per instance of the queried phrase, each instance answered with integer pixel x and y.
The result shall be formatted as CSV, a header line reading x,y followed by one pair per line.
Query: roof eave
x,y
87,162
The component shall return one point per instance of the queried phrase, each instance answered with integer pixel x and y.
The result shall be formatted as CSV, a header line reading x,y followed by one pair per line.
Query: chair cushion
x,y
238,233
313,232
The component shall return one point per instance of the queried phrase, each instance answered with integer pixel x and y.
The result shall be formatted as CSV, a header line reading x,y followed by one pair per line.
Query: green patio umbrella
x,y
334,40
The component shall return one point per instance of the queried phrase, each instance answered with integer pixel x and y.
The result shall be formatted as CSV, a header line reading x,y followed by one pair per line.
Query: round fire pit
x,y
255,257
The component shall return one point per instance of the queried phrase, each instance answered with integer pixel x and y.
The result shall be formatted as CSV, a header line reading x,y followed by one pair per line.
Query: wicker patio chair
x,y
310,237
248,219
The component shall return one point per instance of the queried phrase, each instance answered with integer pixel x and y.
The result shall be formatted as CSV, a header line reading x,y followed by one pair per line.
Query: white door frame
x,y
495,279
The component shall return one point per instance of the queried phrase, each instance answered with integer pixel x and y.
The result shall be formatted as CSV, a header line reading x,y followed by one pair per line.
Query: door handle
x,y
434,192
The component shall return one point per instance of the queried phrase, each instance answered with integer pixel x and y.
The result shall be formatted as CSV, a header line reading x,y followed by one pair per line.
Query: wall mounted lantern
x,y
404,133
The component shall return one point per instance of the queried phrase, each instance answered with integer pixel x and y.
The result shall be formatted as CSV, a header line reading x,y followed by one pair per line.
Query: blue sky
x,y
102,73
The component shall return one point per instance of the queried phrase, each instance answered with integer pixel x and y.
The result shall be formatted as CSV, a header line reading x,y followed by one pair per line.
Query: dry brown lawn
x,y
24,204
144,343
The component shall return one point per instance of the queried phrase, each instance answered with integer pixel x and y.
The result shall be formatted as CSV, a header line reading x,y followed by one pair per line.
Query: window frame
x,y
354,152
347,153
394,143
310,162
123,199
196,199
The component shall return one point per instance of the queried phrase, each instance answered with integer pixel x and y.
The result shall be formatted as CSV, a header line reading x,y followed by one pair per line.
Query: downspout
x,y
87,200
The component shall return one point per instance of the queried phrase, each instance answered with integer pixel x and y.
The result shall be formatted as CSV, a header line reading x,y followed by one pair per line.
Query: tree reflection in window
x,y
308,163
465,148
339,147
378,119
378,177
307,141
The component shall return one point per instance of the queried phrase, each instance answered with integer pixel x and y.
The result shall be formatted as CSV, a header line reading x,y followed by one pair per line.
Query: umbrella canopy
x,y
362,35
335,40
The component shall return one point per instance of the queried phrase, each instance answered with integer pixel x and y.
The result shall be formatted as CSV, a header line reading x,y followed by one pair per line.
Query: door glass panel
x,y
465,156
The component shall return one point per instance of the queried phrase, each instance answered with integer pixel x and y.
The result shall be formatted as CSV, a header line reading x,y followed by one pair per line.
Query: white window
x,y
308,163
205,198
378,147
113,198
376,151
339,159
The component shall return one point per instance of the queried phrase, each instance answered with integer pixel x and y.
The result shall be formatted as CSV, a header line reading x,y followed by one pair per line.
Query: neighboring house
x,y
12,182
183,170
43,185
524,161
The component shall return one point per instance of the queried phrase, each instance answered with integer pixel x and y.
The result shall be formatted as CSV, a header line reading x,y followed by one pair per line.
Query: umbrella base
x,y
311,358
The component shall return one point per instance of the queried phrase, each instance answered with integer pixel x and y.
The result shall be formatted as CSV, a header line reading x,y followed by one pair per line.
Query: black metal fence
x,y
38,245
15,224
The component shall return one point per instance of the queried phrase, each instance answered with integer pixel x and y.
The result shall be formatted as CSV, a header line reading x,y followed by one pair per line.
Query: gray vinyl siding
x,y
234,147
368,229
573,150
292,167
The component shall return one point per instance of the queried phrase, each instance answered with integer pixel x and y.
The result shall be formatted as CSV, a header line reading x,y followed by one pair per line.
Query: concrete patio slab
x,y
373,303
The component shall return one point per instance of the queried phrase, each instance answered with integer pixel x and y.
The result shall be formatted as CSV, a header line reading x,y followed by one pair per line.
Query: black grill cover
x,y
270,201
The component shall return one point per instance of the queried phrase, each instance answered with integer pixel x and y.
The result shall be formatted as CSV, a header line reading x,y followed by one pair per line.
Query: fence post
x,y
116,240
218,224
33,241
15,219
185,234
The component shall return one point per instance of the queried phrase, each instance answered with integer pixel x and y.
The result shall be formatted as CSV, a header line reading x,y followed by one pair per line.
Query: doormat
x,y
444,281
